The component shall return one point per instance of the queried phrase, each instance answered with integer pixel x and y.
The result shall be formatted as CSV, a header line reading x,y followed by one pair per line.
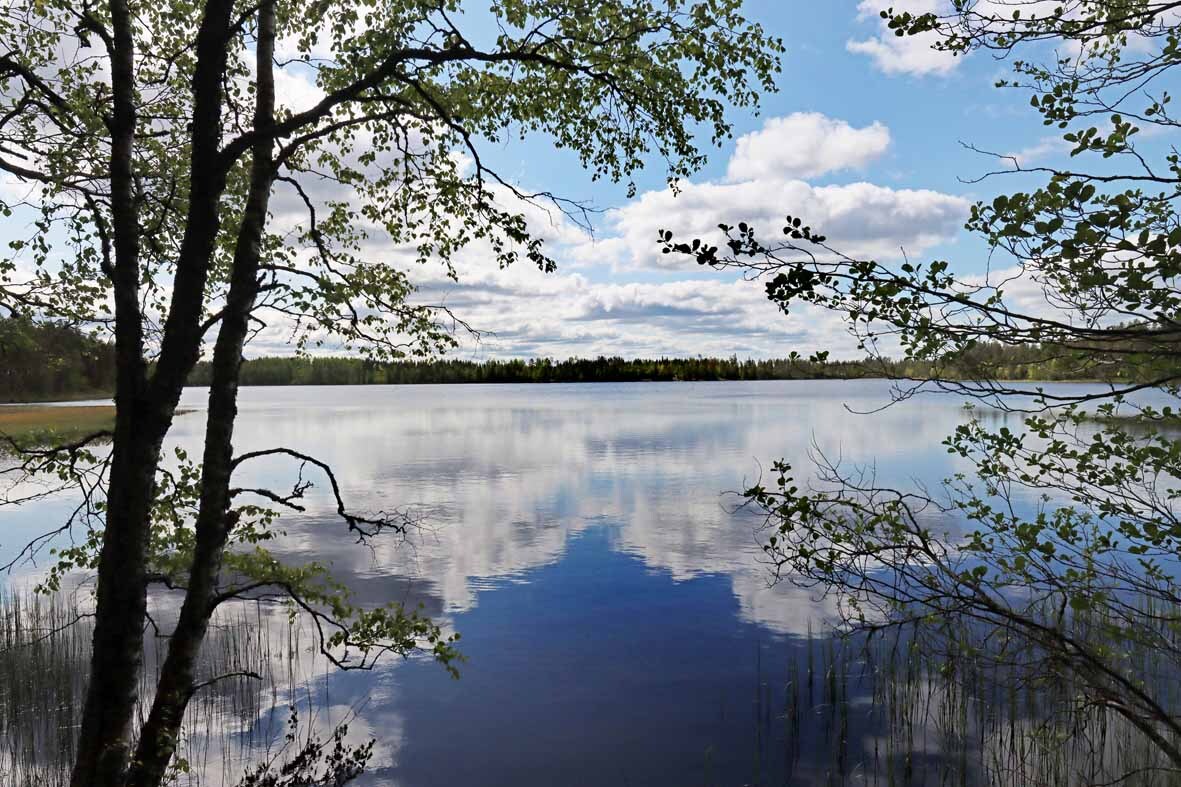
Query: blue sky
x,y
927,113
883,119
865,139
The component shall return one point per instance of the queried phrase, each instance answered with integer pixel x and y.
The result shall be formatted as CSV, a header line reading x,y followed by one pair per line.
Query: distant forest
x,y
992,360
41,360
355,371
47,360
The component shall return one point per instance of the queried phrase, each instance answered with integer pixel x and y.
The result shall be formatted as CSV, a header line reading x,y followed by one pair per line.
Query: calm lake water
x,y
617,618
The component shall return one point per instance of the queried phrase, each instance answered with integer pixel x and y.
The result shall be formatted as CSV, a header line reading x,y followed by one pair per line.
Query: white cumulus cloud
x,y
894,54
765,180
860,219
615,293
806,145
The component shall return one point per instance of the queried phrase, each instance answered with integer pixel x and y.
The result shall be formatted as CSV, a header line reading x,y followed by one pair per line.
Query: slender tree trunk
x,y
180,346
158,738
105,734
144,407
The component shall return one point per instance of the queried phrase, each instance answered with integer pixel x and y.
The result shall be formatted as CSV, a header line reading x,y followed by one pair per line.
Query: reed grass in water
x,y
231,723
896,710
887,711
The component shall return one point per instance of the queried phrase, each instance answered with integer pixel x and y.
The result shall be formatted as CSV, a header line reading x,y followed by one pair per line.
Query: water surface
x,y
619,624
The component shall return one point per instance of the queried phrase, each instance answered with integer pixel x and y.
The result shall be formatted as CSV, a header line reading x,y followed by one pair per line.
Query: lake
x,y
617,618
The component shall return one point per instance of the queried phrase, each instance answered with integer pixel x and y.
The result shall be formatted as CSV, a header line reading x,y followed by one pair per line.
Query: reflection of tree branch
x,y
364,526
237,674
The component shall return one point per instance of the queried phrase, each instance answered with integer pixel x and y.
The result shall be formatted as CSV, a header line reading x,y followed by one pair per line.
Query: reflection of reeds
x,y
900,711
890,711
230,723
42,647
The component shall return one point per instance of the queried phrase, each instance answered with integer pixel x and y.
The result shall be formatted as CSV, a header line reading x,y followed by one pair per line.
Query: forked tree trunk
x,y
159,736
144,406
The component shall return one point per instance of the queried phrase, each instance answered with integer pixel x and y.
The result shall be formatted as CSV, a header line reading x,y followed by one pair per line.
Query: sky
x,y
865,138
868,138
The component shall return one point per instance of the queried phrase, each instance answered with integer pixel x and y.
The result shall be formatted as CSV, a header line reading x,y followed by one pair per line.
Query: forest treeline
x,y
48,360
991,360
43,360
356,371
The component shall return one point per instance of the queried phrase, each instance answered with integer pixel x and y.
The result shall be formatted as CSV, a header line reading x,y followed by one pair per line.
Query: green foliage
x,y
409,102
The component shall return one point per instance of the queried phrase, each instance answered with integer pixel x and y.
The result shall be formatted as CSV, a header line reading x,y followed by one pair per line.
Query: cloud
x,y
1046,147
860,219
915,55
765,181
617,294
522,312
893,54
532,314
806,145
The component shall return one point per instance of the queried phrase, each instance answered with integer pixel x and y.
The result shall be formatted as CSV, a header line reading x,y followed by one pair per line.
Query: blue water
x,y
618,621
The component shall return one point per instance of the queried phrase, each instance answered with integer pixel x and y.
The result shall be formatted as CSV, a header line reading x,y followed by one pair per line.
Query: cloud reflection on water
x,y
505,475
519,487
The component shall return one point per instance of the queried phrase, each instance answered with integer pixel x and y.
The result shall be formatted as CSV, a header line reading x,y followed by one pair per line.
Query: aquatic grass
x,y
887,710
254,667
43,644
916,708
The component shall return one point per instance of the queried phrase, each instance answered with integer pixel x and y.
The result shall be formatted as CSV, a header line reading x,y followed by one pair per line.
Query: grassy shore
x,y
41,424
73,396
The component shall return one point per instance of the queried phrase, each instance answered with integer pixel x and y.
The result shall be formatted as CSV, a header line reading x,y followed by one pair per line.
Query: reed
x,y
913,708
232,722
902,710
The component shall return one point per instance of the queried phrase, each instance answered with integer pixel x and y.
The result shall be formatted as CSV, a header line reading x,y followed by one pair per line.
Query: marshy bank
x,y
29,424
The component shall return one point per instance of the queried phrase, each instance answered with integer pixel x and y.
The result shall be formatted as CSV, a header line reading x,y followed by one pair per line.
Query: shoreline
x,y
38,424
70,401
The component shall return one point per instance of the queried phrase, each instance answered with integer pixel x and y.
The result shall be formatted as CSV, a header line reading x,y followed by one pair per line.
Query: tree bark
x,y
144,409
181,345
105,734
158,739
